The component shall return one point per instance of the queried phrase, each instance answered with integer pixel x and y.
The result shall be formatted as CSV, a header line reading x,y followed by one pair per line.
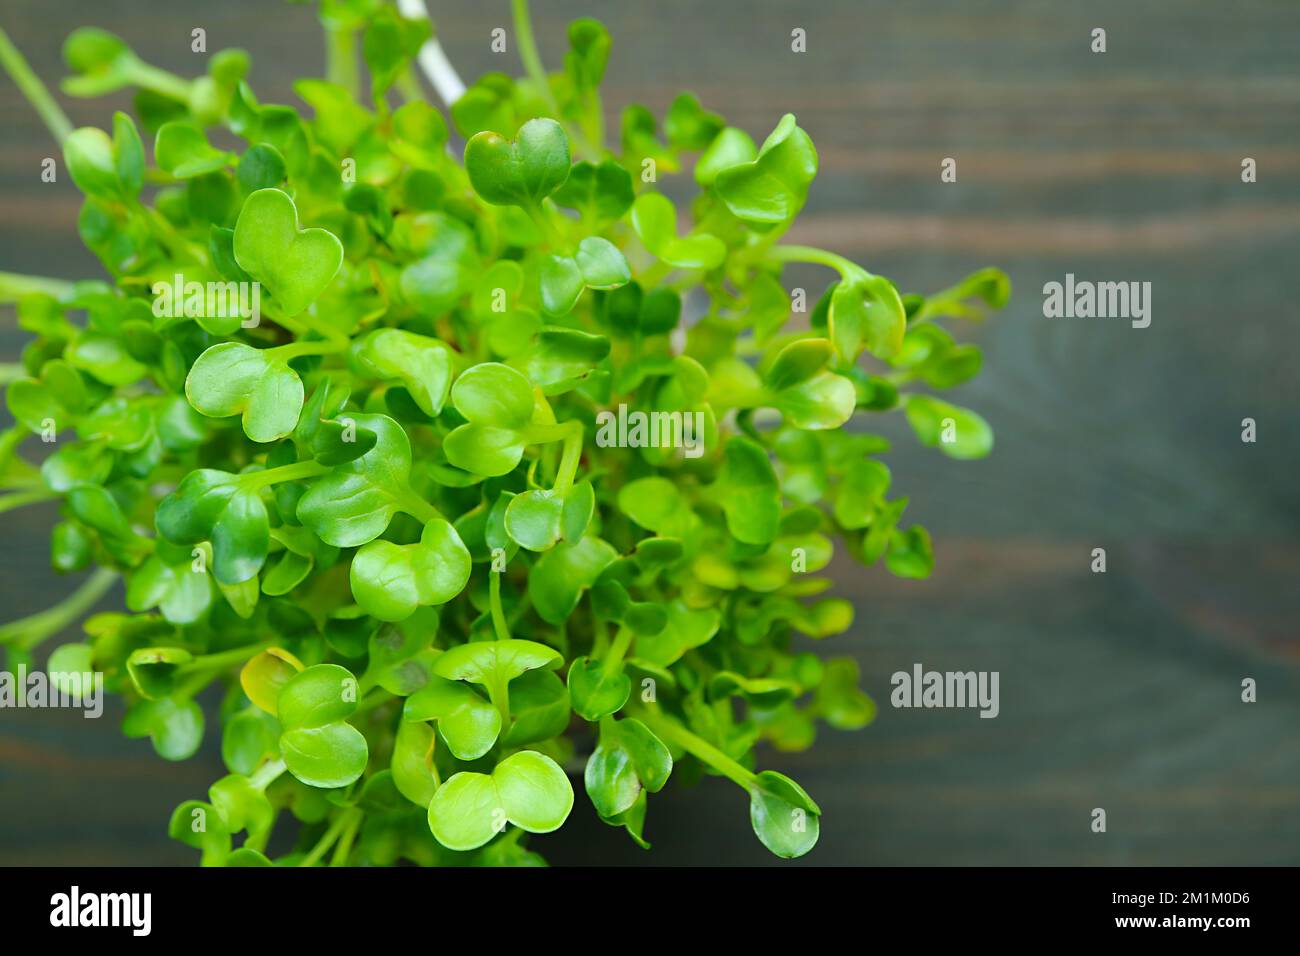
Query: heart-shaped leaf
x,y
539,708
492,663
597,264
808,395
168,581
236,379
686,628
296,265
421,363
110,169
527,789
199,826
498,402
355,502
521,172
730,147
655,220
390,581
599,192
771,188
265,674
215,506
561,359
839,701
412,766
467,721
241,805
175,727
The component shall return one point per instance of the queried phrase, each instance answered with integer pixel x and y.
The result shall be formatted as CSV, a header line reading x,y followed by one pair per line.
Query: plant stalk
x,y
47,108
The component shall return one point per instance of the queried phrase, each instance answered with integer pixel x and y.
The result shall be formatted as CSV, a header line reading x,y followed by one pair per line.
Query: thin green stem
x,y
570,433
550,231
499,624
327,839
570,458
14,286
274,476
341,58
219,661
168,237
303,325
671,730
499,693
847,269
47,108
310,347
12,372
419,509
19,499
267,774
374,696
409,88
529,56
344,847
28,632
614,659
161,81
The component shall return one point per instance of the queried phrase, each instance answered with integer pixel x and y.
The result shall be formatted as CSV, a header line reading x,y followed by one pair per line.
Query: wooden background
x,y
1119,690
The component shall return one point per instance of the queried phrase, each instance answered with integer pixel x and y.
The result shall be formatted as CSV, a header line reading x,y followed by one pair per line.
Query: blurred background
x,y
1119,690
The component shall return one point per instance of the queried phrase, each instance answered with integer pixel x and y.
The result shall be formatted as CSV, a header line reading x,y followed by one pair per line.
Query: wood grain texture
x,y
1118,690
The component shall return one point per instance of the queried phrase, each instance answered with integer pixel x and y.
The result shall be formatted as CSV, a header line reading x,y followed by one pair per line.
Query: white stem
x,y
433,61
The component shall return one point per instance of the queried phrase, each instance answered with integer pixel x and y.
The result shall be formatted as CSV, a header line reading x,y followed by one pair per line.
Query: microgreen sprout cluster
x,y
332,418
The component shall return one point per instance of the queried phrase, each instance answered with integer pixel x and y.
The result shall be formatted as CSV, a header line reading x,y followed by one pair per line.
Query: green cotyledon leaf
x,y
355,502
784,817
498,403
628,759
655,220
955,431
295,264
527,789
422,364
518,172
236,379
748,492
771,188
596,264
216,506
390,581
467,721
317,744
